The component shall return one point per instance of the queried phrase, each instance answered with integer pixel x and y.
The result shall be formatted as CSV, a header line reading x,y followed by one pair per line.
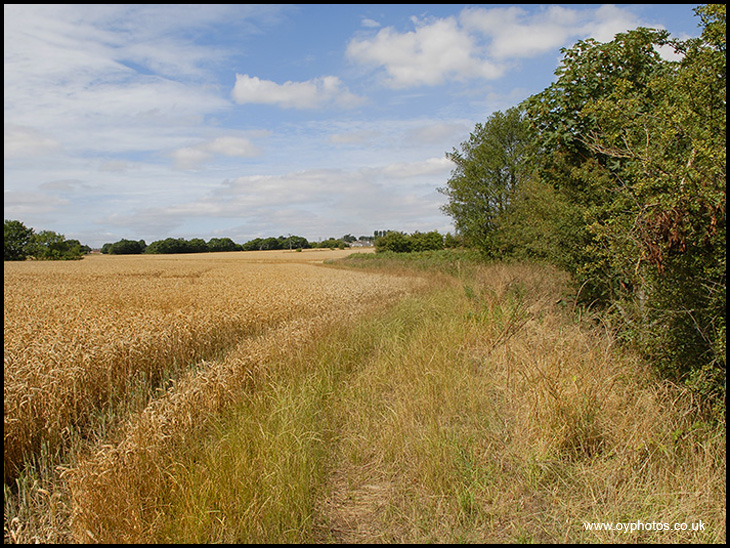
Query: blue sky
x,y
149,121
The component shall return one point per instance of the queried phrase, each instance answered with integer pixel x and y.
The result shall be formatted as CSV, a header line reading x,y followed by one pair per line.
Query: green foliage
x,y
16,238
627,193
490,167
21,242
176,245
77,247
125,247
395,241
399,242
51,246
282,242
223,244
332,243
540,224
449,261
568,118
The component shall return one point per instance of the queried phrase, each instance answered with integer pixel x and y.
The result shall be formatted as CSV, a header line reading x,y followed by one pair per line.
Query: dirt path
x,y
352,514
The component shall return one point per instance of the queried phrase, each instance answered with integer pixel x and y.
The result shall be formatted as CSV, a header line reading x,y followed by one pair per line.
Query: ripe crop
x,y
90,339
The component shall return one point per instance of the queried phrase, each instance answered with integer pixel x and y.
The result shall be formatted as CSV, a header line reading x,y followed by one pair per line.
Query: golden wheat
x,y
80,336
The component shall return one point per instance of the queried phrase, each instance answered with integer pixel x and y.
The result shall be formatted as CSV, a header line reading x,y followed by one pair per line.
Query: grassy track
x,y
478,409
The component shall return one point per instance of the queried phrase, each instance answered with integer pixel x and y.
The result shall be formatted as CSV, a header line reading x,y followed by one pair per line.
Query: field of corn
x,y
90,344
264,397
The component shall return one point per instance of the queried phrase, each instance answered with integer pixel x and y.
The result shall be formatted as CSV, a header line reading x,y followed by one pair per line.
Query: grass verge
x,y
477,411
480,409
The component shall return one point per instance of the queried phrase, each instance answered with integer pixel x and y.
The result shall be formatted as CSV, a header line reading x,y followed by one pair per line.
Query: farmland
x,y
89,343
267,397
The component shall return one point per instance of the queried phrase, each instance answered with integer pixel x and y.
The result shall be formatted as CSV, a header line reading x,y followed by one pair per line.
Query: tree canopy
x,y
617,173
21,242
490,167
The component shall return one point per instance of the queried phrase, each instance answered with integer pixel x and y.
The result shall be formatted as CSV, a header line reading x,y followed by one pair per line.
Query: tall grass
x,y
481,408
477,411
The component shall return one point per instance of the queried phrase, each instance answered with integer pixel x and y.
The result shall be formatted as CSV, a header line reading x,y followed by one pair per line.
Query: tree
x,y
77,247
395,241
168,245
126,247
490,167
16,239
271,243
49,245
636,146
567,118
197,245
222,244
426,241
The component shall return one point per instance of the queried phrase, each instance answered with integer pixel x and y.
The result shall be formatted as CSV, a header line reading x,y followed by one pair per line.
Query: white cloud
x,y
515,33
190,157
431,166
309,202
608,20
193,157
481,42
428,55
314,93
438,132
20,204
369,23
85,75
22,141
233,146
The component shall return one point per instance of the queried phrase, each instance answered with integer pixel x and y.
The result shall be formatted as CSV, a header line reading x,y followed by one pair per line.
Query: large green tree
x,y
568,117
489,168
51,246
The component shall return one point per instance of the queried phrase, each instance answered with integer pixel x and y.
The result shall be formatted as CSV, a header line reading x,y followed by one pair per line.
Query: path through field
x,y
144,348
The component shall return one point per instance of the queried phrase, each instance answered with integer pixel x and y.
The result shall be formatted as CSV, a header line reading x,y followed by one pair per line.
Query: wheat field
x,y
264,397
83,338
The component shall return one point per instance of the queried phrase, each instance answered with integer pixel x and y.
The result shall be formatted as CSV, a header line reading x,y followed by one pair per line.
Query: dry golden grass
x,y
490,415
286,405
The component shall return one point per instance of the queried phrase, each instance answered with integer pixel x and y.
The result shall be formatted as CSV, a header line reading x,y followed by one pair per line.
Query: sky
x,y
145,121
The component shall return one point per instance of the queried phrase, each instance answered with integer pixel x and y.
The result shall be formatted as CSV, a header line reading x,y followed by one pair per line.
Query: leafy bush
x,y
399,242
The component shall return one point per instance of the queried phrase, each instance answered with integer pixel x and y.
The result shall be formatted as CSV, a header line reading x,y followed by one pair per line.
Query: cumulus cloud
x,y
515,33
314,93
481,42
428,55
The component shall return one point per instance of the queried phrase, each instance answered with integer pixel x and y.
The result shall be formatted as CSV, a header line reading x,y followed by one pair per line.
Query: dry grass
x,y
490,416
478,410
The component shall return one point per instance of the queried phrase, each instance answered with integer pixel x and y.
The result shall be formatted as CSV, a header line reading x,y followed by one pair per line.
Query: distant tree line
x,y
198,245
21,243
617,173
